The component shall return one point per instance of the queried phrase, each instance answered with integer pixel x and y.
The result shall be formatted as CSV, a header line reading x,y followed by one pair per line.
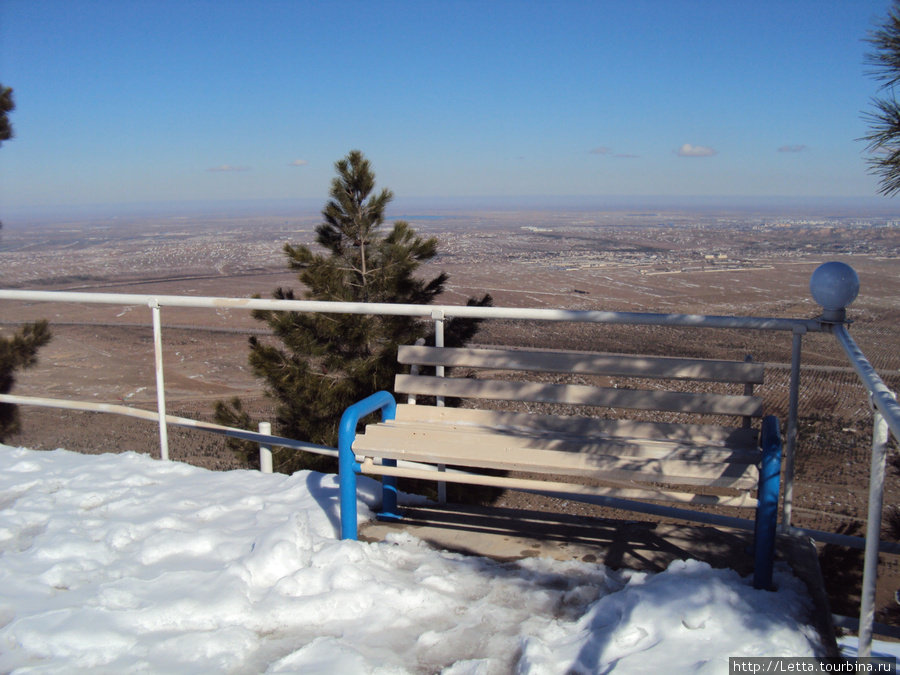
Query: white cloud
x,y
298,162
688,150
792,148
228,167
600,151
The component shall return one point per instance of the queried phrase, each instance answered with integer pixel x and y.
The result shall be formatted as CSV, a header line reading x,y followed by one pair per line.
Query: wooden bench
x,y
672,446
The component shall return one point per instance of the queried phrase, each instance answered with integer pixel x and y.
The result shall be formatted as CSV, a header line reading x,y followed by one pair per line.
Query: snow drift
x,y
119,563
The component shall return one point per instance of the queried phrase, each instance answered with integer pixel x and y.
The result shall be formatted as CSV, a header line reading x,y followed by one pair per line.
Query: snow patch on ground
x,y
120,563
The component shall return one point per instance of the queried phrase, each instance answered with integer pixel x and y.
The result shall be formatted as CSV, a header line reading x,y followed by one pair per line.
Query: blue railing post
x,y
348,467
767,508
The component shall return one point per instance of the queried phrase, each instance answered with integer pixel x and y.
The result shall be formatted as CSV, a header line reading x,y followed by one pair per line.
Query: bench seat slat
x,y
575,394
739,500
500,420
495,451
619,447
586,364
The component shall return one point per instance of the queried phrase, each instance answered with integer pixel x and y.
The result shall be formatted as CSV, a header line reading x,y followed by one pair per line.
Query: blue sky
x,y
142,101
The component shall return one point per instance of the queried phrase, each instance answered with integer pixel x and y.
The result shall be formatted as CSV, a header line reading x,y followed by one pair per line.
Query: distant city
x,y
95,251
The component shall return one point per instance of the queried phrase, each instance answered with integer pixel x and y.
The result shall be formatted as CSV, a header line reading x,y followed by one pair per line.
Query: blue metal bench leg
x,y
389,510
348,467
767,509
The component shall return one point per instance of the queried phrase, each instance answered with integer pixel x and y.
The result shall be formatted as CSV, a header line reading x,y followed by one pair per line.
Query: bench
x,y
685,437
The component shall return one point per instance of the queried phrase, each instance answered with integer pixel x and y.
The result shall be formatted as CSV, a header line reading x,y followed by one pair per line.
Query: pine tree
x,y
884,136
321,363
17,353
7,105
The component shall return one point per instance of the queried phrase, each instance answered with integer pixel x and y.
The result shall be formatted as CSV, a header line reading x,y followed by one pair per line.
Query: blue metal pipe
x,y
389,510
348,467
767,508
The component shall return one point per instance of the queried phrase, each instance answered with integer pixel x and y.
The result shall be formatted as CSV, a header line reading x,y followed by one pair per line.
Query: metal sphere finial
x,y
834,285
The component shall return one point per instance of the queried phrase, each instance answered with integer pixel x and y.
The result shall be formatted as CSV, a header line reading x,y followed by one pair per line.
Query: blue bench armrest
x,y
348,467
767,508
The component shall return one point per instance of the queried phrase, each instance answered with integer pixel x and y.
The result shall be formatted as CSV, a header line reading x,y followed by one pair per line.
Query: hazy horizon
x,y
408,207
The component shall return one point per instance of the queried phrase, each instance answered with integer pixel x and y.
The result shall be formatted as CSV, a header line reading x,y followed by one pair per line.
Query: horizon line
x,y
308,205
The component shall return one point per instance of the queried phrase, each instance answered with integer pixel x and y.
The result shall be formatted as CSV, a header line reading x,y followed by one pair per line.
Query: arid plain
x,y
714,262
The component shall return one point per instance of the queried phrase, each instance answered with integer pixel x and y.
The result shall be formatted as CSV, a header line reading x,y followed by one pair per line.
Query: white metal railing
x,y
887,411
264,436
886,419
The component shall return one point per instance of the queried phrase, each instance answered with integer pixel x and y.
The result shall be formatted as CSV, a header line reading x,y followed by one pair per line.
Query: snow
x,y
849,645
123,564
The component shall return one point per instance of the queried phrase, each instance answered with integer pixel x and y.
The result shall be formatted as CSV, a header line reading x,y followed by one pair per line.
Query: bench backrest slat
x,y
586,364
571,394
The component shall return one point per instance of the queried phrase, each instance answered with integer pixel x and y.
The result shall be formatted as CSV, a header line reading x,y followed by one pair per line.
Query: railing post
x,y
414,370
160,380
438,316
265,451
748,391
790,441
873,534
